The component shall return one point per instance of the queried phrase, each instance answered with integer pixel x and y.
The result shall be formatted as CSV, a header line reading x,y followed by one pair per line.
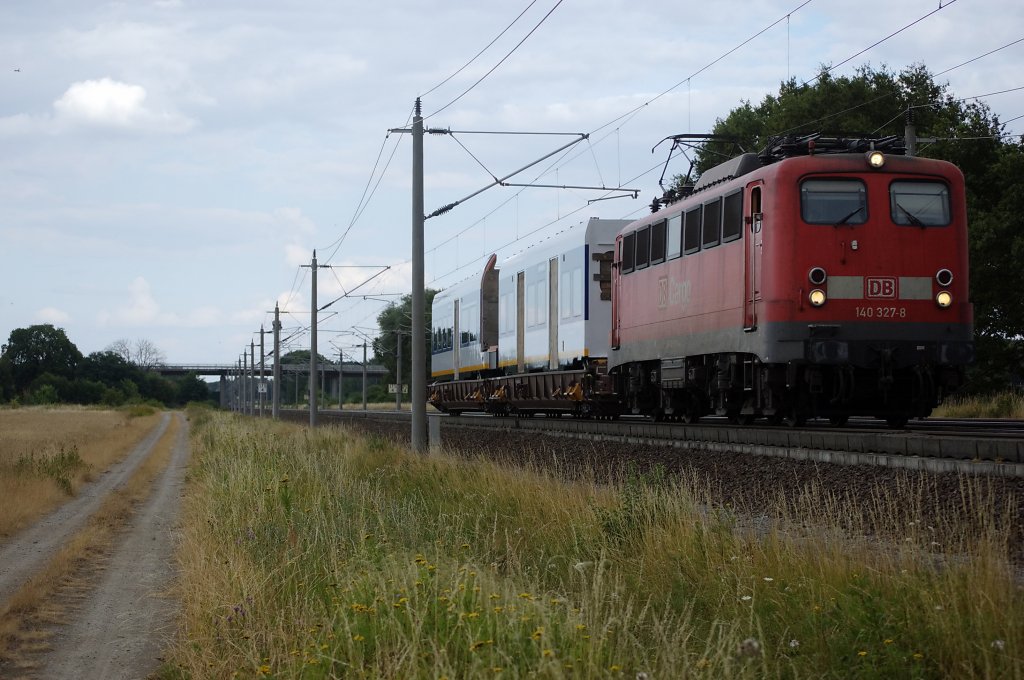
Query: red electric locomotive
x,y
823,278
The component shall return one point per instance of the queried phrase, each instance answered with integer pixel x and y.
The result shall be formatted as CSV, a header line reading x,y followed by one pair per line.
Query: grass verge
x,y
310,554
1002,405
26,618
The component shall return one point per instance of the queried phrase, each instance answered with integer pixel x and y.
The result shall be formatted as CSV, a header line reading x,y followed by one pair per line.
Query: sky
x,y
168,166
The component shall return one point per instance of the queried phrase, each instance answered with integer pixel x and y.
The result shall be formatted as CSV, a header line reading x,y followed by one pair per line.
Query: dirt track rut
x,y
127,617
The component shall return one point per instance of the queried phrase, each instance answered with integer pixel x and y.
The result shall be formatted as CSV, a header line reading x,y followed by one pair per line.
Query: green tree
x,y
870,103
397,318
192,388
874,103
39,349
107,367
292,382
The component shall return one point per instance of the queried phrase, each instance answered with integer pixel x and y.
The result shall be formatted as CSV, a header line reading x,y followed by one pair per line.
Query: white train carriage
x,y
554,300
464,333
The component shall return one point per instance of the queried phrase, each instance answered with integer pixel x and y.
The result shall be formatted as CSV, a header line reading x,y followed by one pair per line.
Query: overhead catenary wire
x,y
980,56
486,47
538,229
365,199
500,62
629,115
879,42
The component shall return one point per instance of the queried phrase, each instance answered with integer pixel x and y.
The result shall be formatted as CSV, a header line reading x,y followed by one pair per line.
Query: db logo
x,y
881,287
663,292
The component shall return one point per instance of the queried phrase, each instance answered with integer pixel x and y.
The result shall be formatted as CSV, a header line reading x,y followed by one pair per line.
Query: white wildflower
x,y
750,647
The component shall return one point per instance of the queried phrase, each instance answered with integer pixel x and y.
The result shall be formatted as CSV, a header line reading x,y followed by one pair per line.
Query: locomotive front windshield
x,y
919,204
833,201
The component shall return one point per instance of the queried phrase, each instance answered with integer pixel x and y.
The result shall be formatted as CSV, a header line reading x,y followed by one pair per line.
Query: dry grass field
x,y
47,453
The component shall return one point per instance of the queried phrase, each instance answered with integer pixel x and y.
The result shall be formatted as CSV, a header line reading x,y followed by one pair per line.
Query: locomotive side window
x,y
643,247
469,323
658,242
506,315
628,252
732,217
919,204
675,236
570,303
712,233
537,302
691,231
833,201
442,340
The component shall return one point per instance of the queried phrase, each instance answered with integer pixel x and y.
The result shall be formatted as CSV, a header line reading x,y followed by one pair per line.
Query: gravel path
x,y
27,552
127,617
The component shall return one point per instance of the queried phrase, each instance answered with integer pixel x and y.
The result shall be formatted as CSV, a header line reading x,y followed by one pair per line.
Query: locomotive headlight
x,y
817,297
944,298
876,159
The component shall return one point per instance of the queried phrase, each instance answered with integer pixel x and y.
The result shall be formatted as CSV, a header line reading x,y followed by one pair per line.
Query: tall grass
x,y
1001,405
319,554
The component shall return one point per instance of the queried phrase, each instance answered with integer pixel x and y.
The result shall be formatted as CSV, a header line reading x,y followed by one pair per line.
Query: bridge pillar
x,y
223,391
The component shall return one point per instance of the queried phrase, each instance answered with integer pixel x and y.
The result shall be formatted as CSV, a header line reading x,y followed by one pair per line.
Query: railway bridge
x,y
294,377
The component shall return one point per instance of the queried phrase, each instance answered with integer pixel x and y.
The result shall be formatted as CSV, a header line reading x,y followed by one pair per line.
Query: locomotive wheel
x,y
896,421
691,417
747,419
796,418
838,421
775,419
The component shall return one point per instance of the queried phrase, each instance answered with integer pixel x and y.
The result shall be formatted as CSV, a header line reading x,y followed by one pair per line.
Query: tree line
x,y
40,365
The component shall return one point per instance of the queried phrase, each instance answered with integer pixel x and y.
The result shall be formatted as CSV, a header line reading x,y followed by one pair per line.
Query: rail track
x,y
989,447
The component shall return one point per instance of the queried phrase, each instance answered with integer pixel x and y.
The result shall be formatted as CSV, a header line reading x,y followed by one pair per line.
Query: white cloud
x,y
52,315
113,104
296,255
142,309
294,221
